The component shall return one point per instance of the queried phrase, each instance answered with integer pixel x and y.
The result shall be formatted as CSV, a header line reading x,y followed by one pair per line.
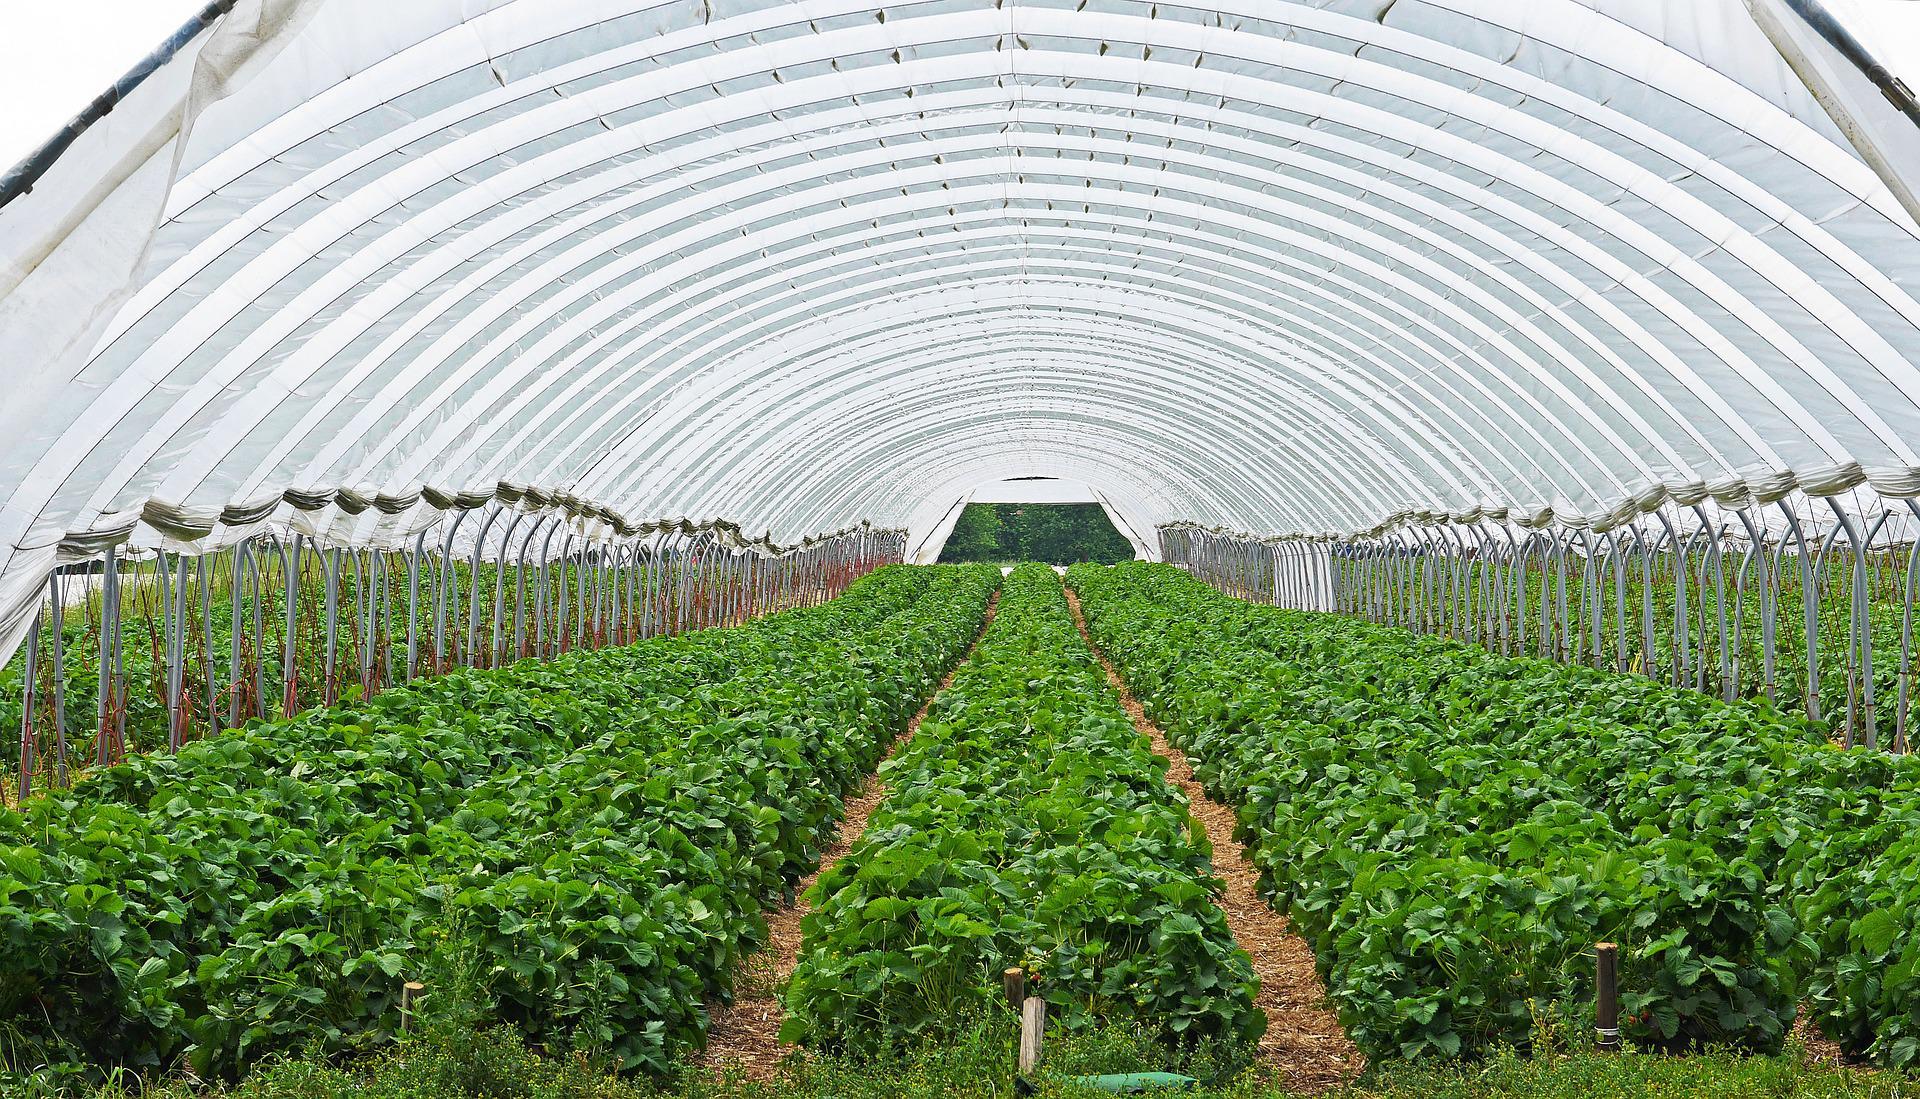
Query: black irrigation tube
x,y
24,175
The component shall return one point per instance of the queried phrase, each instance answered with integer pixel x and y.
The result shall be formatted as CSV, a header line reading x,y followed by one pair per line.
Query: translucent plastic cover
x,y
1271,265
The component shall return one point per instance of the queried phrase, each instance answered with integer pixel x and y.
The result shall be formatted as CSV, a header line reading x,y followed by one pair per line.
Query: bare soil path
x,y
1304,1046
745,1034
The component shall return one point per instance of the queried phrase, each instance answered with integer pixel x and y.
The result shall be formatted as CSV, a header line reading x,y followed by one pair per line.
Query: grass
x,y
453,1061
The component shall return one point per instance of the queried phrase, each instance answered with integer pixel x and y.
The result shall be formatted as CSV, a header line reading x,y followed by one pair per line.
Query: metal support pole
x,y
58,590
1810,604
1906,635
1860,636
330,571
106,704
1647,554
413,605
473,587
444,593
562,599
257,667
1719,601
494,639
236,640
29,703
1757,555
177,703
1677,645
204,567
1563,625
369,583
289,674
1590,620
520,590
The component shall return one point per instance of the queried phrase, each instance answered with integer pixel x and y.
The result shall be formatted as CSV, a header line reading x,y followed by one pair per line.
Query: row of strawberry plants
x,y
1452,830
1030,824
583,846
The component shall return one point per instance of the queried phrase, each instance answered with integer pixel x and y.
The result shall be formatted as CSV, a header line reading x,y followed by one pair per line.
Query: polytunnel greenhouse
x,y
472,472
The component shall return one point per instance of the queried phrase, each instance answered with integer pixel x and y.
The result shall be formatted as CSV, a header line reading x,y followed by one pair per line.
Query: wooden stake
x,y
1015,980
1033,1026
1606,1008
409,992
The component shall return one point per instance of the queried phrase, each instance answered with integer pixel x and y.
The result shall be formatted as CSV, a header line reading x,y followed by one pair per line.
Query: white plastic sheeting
x,y
1277,266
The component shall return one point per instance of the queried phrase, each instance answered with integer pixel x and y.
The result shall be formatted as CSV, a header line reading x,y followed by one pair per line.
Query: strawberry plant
x,y
588,844
1452,830
1028,823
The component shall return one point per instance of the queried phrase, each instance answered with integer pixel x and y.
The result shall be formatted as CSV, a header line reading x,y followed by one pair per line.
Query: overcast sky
x,y
55,57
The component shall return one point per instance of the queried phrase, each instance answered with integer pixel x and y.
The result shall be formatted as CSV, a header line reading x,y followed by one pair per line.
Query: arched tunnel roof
x,y
1280,266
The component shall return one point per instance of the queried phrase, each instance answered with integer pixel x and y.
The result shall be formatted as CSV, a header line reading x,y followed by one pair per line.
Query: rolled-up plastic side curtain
x,y
182,531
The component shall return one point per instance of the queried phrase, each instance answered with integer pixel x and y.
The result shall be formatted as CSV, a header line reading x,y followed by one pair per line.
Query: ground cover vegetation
x,y
450,1062
584,845
1452,830
1028,824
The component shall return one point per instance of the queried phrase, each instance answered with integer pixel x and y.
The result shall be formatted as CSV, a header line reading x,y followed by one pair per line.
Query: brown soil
x,y
744,1036
1304,1045
1820,1049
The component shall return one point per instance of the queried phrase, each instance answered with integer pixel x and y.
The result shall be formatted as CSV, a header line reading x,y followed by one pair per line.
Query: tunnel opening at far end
x,y
1058,520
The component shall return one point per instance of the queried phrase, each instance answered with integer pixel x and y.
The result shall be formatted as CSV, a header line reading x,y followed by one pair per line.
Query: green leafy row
x,y
1452,830
1030,824
586,845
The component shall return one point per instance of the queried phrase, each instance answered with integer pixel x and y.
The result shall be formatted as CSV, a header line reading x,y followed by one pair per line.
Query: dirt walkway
x,y
1304,1045
746,1034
